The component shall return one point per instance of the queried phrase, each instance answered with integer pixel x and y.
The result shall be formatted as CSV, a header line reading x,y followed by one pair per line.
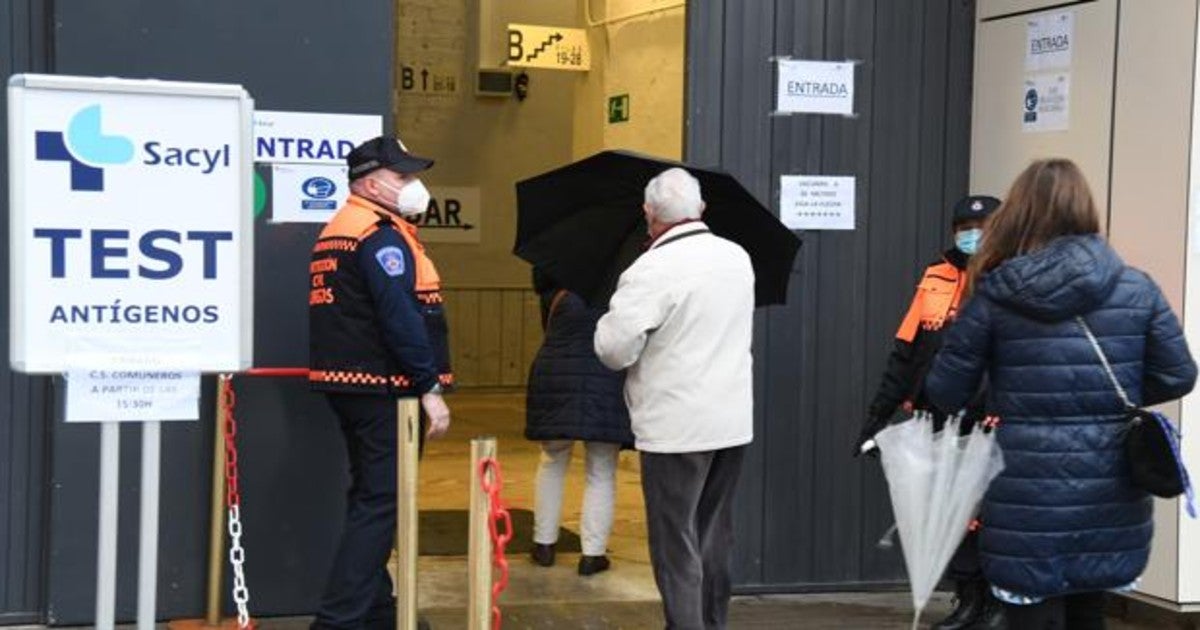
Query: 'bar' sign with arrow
x,y
548,47
454,216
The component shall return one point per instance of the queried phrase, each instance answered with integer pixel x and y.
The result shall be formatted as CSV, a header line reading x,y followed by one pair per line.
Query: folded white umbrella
x,y
936,481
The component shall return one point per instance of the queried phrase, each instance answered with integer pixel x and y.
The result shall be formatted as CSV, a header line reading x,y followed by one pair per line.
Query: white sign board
x,y
1048,41
1047,103
548,47
815,87
816,202
307,138
131,217
307,153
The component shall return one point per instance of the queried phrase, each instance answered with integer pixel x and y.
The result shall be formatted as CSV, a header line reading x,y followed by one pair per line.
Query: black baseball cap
x,y
974,207
384,152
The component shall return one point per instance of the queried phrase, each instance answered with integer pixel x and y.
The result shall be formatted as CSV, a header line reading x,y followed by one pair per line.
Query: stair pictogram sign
x,y
557,37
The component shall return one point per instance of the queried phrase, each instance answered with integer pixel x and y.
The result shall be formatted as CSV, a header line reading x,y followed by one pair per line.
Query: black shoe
x,y
969,606
591,565
992,617
542,555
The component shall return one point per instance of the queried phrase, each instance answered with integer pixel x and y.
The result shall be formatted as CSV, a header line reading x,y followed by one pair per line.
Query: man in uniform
x,y
917,341
377,333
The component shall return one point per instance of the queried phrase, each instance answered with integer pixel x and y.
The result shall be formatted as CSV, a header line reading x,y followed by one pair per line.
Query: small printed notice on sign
x,y
816,202
132,395
307,193
1048,41
114,379
1047,103
815,87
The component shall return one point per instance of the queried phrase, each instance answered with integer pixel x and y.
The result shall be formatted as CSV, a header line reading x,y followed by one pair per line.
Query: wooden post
x,y
409,427
479,549
216,531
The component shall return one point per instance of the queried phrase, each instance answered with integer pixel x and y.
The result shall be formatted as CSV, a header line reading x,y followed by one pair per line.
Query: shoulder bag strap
x,y
1104,360
558,297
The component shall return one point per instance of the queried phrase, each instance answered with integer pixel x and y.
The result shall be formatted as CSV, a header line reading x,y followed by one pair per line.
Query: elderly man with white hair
x,y
681,322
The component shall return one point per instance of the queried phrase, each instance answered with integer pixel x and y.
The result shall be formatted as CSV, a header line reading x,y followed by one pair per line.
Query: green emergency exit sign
x,y
618,108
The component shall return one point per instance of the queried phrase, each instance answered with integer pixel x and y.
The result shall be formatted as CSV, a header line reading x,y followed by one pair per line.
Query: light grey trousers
x,y
599,493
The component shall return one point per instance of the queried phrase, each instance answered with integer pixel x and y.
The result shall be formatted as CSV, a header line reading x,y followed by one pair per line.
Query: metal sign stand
x,y
106,565
148,545
106,572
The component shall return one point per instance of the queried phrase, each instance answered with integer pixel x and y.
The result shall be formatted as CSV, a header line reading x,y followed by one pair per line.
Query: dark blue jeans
x,y
358,591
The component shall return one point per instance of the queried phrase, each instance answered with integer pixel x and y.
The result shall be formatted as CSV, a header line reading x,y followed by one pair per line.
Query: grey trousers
x,y
689,515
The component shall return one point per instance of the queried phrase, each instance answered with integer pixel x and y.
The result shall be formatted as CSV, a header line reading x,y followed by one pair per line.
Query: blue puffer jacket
x,y
1063,517
571,395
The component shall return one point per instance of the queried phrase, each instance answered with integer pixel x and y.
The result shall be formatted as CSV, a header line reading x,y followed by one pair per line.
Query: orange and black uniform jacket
x,y
934,307
376,322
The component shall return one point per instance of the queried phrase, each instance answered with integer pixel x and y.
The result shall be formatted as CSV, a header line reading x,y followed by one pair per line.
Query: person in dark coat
x,y
1063,523
934,306
573,397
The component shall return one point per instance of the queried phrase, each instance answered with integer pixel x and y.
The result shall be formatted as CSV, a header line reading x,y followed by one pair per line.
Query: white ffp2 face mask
x,y
411,200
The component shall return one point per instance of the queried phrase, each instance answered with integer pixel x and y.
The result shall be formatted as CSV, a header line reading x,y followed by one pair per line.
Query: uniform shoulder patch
x,y
391,259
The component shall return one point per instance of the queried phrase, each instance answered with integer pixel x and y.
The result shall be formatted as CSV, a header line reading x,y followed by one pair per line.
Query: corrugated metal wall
x,y
808,514
23,400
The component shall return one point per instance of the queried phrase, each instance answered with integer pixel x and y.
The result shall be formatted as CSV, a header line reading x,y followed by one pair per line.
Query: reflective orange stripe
x,y
362,378
357,378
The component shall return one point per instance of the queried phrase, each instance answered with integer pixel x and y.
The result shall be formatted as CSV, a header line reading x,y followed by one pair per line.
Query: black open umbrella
x,y
582,224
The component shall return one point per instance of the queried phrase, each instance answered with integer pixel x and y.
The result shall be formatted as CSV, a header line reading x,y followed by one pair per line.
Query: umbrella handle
x,y
889,538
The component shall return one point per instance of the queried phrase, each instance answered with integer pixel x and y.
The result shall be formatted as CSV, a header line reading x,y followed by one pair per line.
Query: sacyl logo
x,y
86,148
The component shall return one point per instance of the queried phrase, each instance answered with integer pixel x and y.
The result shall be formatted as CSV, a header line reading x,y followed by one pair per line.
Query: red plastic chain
x,y
232,496
489,476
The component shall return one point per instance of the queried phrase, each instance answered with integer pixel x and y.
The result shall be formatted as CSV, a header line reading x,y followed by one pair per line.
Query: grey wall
x,y
23,400
304,55
808,514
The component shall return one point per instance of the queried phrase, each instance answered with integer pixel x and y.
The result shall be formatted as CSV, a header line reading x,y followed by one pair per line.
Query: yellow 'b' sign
x,y
548,47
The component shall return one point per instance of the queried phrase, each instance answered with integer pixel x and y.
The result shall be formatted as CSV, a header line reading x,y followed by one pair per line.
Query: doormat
x,y
444,533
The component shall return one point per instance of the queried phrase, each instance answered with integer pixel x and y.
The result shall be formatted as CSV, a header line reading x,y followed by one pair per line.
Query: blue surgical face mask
x,y
967,241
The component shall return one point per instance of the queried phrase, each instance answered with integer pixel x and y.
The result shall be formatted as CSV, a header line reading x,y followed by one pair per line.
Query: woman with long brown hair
x,y
1063,523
